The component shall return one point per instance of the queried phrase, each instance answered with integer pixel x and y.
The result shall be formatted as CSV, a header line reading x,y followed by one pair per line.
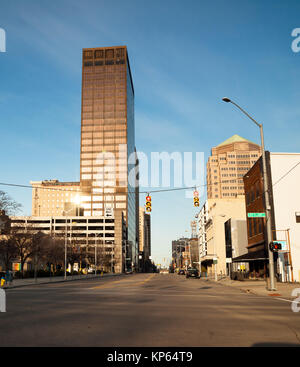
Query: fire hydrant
x,y
2,281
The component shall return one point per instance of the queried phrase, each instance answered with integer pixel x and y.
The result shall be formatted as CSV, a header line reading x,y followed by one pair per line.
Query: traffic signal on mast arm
x,y
148,203
196,198
275,246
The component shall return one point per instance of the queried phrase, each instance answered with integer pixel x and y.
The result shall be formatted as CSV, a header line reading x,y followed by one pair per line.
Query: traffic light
x,y
275,246
196,198
148,203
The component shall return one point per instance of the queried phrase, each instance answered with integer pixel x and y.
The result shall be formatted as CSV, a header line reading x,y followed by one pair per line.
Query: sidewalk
x,y
259,287
47,280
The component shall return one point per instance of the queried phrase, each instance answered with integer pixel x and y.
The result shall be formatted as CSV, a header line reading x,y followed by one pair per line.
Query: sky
x,y
184,55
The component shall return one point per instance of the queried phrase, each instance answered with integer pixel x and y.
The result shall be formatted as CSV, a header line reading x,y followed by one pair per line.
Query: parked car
x,y
164,271
192,272
181,272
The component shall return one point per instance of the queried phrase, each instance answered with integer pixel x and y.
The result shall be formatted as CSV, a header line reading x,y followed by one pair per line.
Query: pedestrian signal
x,y
275,246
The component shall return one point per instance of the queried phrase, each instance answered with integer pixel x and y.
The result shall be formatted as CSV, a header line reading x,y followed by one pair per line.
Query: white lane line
x,y
283,299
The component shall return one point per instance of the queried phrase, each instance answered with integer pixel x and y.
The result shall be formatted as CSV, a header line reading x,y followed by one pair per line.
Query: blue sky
x,y
185,56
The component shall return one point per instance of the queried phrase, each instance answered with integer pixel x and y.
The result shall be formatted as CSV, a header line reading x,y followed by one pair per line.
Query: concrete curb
x,y
243,290
263,292
60,281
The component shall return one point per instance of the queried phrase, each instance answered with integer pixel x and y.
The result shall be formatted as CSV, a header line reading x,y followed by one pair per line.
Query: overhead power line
x,y
148,191
282,177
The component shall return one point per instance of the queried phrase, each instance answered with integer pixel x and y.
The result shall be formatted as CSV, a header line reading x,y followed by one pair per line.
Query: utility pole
x,y
267,196
66,240
95,254
199,258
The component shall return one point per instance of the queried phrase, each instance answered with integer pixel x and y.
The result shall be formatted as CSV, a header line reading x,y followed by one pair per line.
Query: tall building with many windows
x,y
228,163
53,197
108,184
108,162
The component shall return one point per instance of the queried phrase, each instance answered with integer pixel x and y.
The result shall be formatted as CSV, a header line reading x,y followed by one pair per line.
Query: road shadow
x,y
271,344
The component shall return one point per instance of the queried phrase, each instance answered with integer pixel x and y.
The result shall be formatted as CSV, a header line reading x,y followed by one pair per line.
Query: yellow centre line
x,y
125,284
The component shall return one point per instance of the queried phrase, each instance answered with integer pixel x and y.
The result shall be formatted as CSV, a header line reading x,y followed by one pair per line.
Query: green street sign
x,y
256,215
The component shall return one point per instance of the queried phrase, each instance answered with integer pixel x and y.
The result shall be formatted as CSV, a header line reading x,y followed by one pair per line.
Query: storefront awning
x,y
207,258
251,256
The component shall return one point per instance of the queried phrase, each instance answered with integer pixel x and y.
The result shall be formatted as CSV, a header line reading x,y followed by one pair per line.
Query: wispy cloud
x,y
58,35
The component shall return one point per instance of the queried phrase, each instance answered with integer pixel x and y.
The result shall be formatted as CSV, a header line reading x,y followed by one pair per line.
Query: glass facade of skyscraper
x,y
107,135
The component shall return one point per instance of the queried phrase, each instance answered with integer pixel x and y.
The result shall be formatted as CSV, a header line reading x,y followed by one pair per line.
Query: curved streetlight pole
x,y
66,239
267,197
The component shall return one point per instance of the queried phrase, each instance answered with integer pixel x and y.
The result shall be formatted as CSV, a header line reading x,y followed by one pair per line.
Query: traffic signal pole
x,y
267,196
268,211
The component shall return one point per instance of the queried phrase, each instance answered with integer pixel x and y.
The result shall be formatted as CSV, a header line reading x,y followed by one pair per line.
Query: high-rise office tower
x,y
228,163
108,158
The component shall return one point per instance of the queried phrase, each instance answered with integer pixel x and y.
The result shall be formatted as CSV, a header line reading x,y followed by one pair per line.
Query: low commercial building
x,y
232,210
283,170
194,252
236,243
178,248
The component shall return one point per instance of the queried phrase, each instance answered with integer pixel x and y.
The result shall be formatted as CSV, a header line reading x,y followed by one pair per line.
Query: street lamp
x,y
266,190
96,235
66,236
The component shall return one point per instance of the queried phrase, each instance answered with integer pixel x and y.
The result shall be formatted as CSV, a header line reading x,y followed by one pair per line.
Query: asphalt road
x,y
143,310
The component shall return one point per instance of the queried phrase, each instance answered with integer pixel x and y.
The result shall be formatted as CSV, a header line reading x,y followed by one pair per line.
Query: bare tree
x,y
39,243
26,243
8,251
100,254
7,204
55,251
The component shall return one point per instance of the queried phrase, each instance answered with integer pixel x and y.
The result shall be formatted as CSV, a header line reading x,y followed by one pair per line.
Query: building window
x,y
260,225
257,189
254,226
109,54
88,54
99,54
252,194
250,226
120,52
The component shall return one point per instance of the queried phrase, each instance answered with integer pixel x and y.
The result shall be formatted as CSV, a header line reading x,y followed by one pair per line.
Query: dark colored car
x,y
181,272
192,272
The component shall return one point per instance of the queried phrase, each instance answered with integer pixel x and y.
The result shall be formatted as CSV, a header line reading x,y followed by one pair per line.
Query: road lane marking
x,y
107,284
283,299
